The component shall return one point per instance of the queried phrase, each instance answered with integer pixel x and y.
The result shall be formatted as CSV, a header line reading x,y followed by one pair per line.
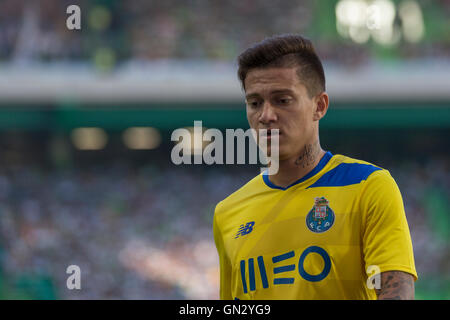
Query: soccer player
x,y
325,226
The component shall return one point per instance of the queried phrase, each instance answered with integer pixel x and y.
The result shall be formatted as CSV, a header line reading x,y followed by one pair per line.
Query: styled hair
x,y
285,51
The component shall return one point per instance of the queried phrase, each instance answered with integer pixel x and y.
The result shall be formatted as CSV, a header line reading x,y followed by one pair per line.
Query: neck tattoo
x,y
308,156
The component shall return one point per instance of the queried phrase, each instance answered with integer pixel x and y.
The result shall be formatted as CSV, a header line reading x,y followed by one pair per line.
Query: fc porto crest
x,y
321,217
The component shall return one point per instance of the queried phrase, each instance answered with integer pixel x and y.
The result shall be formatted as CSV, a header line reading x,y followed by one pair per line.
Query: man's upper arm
x,y
386,238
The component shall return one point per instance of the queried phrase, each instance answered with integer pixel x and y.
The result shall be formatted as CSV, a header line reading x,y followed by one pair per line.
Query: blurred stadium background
x,y
86,118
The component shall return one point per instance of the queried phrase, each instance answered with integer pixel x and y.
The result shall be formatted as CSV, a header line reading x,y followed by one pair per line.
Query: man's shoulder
x,y
357,167
246,192
364,171
344,170
339,158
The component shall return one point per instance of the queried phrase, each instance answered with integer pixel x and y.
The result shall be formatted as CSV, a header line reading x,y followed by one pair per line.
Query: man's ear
x,y
320,106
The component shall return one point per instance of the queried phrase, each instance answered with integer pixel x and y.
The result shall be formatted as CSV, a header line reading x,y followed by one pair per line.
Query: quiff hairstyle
x,y
285,51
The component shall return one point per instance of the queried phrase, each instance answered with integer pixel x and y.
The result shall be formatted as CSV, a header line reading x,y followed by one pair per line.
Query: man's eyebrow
x,y
276,91
252,95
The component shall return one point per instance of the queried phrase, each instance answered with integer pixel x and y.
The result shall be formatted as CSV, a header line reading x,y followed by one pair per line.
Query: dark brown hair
x,y
287,50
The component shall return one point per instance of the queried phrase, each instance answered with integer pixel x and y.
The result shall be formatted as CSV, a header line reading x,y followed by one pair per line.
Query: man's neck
x,y
293,169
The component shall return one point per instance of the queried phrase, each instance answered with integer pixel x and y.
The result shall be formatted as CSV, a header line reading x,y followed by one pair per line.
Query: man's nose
x,y
268,114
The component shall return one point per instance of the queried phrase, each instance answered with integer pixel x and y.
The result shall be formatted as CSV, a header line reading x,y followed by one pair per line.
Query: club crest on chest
x,y
321,217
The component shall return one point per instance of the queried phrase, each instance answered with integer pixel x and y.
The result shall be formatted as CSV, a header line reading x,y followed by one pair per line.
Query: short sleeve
x,y
386,237
225,265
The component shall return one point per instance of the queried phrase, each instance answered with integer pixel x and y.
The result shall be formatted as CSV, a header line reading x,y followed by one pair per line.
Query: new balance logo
x,y
245,229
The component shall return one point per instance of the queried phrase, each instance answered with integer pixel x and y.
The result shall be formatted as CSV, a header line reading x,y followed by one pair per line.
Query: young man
x,y
324,226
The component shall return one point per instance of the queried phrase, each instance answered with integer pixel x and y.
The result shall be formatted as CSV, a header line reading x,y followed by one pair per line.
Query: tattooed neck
x,y
308,156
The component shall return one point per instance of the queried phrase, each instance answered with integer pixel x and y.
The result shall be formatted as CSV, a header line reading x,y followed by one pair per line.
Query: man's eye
x,y
284,101
253,104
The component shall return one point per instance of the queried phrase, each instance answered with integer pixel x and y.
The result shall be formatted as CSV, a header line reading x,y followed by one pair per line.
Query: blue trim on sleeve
x,y
345,174
322,163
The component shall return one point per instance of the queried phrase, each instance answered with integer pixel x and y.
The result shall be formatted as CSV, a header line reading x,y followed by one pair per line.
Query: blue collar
x,y
326,157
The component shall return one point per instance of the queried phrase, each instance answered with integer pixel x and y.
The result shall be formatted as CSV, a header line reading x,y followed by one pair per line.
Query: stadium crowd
x,y
139,30
145,232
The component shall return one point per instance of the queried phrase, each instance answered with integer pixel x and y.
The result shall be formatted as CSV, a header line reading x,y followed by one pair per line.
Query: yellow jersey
x,y
319,238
